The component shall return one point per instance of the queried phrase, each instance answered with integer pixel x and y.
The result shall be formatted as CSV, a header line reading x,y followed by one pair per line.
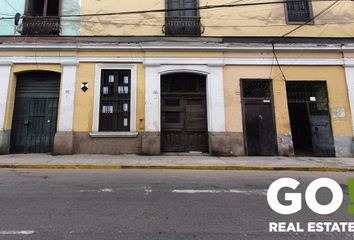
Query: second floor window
x,y
298,11
41,17
189,6
185,21
42,8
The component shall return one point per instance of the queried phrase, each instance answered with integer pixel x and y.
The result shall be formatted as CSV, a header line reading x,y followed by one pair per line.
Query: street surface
x,y
152,204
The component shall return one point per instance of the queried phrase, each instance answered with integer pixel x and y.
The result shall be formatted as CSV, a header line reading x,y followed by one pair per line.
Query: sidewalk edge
x,y
174,167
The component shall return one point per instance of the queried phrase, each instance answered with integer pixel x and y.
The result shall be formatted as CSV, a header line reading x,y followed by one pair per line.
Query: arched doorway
x,y
184,125
35,112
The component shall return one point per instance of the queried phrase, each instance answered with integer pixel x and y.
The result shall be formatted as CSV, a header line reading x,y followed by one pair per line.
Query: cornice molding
x,y
180,46
157,61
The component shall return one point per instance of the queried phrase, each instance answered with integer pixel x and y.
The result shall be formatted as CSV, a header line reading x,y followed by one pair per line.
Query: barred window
x,y
115,100
298,11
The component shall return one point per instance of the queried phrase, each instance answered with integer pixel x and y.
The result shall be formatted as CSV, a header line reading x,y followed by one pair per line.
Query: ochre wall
x,y
336,85
137,24
334,75
263,20
83,116
337,92
18,68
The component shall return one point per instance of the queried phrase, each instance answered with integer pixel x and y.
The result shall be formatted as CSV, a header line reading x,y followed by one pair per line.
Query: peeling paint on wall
x,y
70,26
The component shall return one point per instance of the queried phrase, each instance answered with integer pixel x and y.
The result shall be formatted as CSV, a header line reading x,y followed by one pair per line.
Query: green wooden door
x,y
35,112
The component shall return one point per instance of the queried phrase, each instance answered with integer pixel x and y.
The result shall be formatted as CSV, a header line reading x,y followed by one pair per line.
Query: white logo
x,y
310,196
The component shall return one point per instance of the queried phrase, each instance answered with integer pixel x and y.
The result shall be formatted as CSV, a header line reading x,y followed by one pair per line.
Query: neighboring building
x,y
266,79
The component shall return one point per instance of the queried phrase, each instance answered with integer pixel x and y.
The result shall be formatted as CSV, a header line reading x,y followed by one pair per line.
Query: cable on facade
x,y
228,5
277,60
214,26
11,6
293,30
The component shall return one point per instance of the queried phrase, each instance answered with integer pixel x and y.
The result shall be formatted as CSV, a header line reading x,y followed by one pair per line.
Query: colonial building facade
x,y
149,77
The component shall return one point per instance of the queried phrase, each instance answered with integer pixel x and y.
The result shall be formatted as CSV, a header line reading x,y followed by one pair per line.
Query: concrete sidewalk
x,y
194,162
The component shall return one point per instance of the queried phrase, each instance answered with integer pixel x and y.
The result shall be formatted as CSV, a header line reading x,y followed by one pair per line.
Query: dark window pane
x,y
115,100
188,4
53,8
35,7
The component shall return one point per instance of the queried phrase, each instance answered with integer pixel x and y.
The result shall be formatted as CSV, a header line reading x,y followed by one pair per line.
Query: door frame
x,y
214,91
329,109
273,121
183,96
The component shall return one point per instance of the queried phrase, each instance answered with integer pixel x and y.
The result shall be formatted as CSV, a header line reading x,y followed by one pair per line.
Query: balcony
x,y
183,26
49,25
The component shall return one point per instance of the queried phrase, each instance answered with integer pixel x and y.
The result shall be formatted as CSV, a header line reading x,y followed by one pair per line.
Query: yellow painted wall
x,y
292,55
264,20
18,68
84,100
137,24
337,92
336,85
349,54
232,92
335,77
83,116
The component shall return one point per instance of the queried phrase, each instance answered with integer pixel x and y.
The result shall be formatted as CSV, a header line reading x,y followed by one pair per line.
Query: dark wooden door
x,y
184,125
183,114
258,116
35,113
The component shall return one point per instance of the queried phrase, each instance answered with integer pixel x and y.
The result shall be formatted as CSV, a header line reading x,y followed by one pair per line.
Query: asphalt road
x,y
152,204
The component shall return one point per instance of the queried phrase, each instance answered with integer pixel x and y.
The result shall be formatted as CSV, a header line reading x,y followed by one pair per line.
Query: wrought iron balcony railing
x,y
183,26
49,25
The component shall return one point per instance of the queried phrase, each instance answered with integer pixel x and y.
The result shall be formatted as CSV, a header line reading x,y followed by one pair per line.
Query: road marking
x,y
26,232
240,191
104,190
147,190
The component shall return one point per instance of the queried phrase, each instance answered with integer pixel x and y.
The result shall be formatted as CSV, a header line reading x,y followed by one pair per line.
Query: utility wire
x,y
312,19
277,60
293,30
123,22
207,7
11,6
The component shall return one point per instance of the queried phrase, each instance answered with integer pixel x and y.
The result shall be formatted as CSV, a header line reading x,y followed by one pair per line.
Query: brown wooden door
x,y
195,124
184,124
183,113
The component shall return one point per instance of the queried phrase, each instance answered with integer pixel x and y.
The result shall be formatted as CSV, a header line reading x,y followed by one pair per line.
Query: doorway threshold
x,y
191,153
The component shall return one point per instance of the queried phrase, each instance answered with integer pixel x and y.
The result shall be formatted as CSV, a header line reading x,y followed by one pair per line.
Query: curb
x,y
173,167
